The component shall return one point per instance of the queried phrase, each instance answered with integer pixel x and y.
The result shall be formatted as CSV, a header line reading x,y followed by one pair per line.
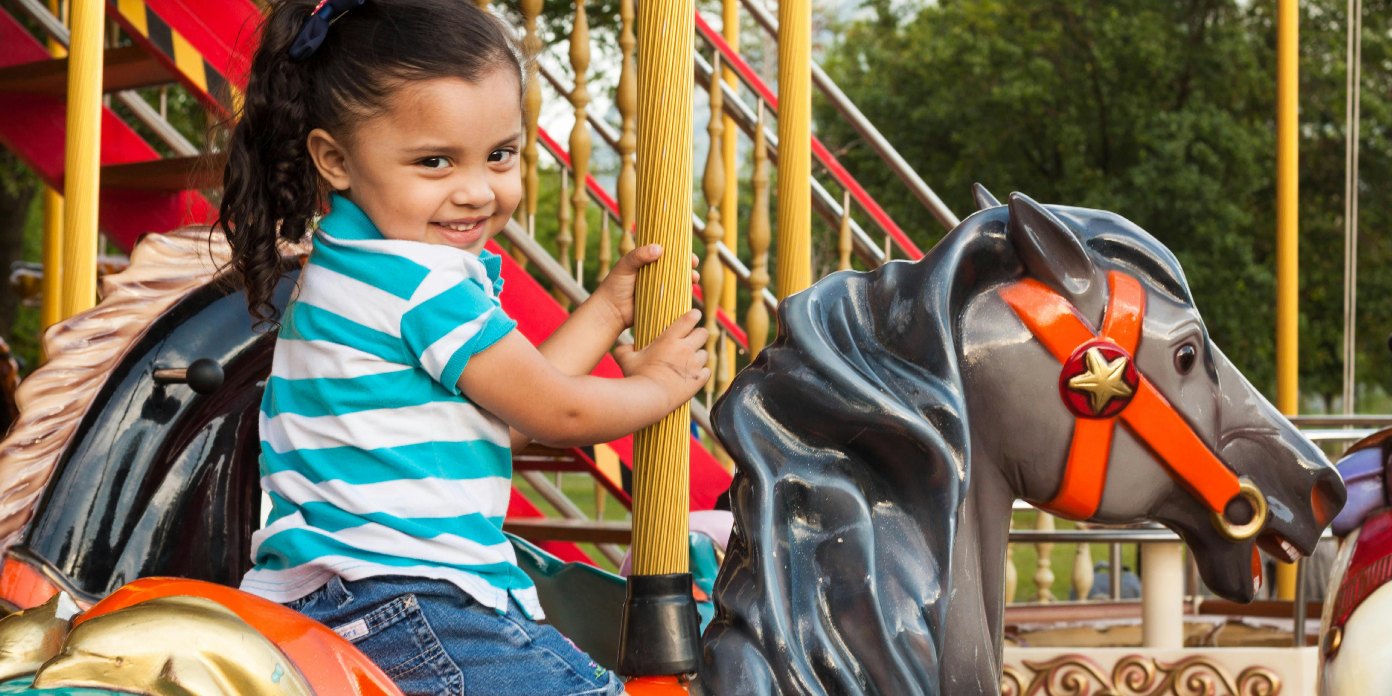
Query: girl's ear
x,y
329,158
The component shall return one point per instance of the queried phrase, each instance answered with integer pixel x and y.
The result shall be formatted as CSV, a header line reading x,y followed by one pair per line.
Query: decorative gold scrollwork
x,y
1069,675
1136,675
1012,682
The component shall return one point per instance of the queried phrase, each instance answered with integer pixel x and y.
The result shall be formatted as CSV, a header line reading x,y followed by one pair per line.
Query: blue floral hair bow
x,y
316,28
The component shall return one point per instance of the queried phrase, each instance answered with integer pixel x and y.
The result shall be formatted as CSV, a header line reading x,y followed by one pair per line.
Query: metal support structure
x,y
51,309
794,247
713,271
1287,229
659,634
756,322
1114,571
1162,595
627,143
1353,109
867,130
729,207
531,10
580,136
665,147
82,164
144,113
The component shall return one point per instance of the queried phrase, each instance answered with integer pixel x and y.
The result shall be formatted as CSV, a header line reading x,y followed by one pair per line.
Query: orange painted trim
x,y
24,586
1054,321
1125,312
1152,419
655,686
1058,326
329,663
1080,492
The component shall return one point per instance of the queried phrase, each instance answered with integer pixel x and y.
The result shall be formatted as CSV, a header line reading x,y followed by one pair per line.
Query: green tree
x,y
1162,112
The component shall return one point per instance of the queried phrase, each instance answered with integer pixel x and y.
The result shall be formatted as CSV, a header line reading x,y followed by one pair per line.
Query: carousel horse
x,y
1356,655
1052,354
1048,353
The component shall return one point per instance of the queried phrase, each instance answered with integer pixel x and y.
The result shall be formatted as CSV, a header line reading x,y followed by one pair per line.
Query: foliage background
x,y
1161,111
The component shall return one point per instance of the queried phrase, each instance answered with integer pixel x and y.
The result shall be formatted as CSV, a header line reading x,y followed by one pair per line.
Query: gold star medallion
x,y
1103,380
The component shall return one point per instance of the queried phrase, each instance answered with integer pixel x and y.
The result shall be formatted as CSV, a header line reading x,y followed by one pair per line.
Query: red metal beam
x,y
32,126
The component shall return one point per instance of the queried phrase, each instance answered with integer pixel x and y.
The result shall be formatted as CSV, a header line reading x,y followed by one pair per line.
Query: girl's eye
x,y
504,155
434,162
1185,357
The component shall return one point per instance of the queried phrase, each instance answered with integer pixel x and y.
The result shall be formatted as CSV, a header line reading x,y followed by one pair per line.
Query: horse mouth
x,y
1279,547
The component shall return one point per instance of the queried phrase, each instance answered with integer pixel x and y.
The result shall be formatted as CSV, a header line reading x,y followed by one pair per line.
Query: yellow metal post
x,y
51,309
82,164
659,631
1287,229
665,155
794,146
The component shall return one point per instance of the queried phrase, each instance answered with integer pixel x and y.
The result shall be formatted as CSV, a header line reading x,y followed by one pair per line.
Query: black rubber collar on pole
x,y
661,627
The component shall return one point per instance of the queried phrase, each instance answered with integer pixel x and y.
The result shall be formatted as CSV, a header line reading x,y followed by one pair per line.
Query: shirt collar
x,y
347,221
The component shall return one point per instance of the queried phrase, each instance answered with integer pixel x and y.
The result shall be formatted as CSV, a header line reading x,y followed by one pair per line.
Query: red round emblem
x,y
1098,380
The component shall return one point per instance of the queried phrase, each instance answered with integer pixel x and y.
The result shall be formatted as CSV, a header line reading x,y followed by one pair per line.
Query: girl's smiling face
x,y
439,166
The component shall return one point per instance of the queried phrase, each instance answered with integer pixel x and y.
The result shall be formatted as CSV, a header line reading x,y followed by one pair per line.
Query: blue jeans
x,y
432,638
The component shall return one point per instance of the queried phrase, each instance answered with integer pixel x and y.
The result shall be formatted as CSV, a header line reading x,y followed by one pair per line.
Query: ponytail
x,y
271,189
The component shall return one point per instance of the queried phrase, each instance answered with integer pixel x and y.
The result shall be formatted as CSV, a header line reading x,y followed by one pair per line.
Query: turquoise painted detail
x,y
21,685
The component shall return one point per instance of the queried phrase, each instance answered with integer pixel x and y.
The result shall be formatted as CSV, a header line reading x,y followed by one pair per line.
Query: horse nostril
x,y
1327,497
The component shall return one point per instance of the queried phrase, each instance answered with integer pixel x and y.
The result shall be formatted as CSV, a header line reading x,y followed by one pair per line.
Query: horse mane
x,y
851,435
852,440
84,350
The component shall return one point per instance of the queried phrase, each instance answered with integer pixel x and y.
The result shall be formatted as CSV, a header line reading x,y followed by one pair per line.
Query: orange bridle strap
x,y
1148,416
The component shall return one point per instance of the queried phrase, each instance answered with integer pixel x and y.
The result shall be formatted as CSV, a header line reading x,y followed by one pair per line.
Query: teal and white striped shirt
x,y
374,462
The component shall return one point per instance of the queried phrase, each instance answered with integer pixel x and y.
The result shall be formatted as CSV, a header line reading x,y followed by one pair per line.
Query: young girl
x,y
399,383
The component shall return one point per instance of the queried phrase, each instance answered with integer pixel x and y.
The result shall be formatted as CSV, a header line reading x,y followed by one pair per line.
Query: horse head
x,y
1046,353
1156,423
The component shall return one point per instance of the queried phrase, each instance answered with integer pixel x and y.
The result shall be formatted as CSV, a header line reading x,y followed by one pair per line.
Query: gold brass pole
x,y
794,246
1287,229
51,309
665,155
659,635
82,164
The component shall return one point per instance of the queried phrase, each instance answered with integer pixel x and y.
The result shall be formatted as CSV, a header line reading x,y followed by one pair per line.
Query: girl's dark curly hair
x,y
271,188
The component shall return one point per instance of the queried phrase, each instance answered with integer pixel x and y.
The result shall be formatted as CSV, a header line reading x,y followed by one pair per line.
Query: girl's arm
x,y
514,381
590,331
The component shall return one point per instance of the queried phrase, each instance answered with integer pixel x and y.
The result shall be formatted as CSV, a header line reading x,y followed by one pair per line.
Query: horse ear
x,y
1047,248
983,198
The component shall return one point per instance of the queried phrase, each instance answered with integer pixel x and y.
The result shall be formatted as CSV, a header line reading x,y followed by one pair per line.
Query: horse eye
x,y
1185,357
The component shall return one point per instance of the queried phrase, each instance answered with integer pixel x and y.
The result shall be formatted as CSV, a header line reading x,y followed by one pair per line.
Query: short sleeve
x,y
451,318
